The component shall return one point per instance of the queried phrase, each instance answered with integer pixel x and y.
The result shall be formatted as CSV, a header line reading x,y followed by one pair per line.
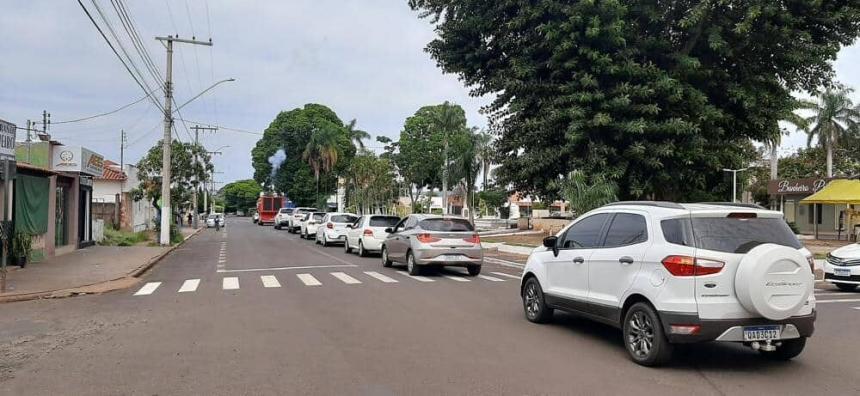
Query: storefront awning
x,y
840,191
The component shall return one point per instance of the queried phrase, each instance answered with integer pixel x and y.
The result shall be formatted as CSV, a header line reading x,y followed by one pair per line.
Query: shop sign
x,y
807,186
78,159
7,140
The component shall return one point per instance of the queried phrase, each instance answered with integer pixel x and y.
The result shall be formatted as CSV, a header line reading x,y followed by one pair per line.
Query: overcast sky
x,y
364,59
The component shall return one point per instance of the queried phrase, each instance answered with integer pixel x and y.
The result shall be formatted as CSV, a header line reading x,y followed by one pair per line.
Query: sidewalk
x,y
91,270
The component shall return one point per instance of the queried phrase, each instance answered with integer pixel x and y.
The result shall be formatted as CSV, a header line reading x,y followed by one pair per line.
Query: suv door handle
x,y
578,260
626,260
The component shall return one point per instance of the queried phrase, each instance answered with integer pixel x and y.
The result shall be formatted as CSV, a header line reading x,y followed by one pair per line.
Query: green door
x,y
61,237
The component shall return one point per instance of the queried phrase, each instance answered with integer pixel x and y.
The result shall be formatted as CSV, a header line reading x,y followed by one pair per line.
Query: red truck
x,y
268,206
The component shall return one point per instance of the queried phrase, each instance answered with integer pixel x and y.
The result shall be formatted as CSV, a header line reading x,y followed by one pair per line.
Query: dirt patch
x,y
530,240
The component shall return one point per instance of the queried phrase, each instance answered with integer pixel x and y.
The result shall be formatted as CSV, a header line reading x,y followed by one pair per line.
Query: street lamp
x,y
203,92
734,181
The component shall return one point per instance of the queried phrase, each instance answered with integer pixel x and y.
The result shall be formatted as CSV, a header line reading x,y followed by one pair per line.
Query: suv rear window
x,y
343,219
727,234
384,221
318,216
286,210
446,225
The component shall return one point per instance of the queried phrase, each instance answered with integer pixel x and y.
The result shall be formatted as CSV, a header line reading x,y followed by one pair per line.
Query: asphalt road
x,y
386,334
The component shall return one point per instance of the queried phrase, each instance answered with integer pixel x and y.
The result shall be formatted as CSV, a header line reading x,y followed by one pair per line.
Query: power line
x,y
131,30
118,56
225,128
121,46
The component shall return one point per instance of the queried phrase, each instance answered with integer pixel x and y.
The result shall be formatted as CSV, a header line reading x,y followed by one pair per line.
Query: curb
x,y
123,282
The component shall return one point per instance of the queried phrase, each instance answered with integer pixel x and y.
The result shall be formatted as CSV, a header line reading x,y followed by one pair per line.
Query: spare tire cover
x,y
773,281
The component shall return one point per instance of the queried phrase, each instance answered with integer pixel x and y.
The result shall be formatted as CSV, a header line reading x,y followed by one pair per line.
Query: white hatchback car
x,y
310,225
368,233
669,273
842,267
332,228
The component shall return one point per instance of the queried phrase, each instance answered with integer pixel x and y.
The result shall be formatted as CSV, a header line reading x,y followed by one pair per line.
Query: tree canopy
x,y
656,96
185,175
241,195
291,131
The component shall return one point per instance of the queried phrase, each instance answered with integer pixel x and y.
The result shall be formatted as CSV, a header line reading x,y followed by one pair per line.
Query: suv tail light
x,y
811,261
329,225
427,238
475,239
692,266
368,232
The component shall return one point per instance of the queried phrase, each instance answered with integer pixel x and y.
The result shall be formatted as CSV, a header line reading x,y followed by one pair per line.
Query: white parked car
x,y
281,219
368,233
210,220
310,224
842,267
293,225
332,228
668,273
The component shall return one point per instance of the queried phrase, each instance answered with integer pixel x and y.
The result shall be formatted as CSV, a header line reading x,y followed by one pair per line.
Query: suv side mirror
x,y
389,230
552,243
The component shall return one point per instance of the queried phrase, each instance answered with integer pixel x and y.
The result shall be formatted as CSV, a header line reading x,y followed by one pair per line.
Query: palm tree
x,y
485,153
584,195
789,116
322,152
356,135
467,164
447,120
834,118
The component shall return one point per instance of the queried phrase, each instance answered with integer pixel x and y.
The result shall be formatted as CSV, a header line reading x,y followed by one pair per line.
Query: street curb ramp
x,y
129,280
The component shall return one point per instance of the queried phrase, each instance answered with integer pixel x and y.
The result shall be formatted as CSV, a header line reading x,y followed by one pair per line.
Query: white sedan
x,y
332,228
367,233
842,267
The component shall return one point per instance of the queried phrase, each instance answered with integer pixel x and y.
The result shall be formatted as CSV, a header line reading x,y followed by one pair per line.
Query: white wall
x,y
106,190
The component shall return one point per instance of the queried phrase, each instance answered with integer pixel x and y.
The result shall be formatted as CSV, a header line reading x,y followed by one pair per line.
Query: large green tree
x,y
241,195
185,174
370,183
420,156
657,96
290,131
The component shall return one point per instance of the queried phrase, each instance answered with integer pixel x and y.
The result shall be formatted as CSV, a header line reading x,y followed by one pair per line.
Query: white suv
x,y
669,273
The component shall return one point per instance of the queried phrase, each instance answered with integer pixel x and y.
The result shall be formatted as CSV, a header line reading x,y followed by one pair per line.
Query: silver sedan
x,y
421,240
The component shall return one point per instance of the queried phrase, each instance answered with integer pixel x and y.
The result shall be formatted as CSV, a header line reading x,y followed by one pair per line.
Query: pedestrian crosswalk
x,y
308,280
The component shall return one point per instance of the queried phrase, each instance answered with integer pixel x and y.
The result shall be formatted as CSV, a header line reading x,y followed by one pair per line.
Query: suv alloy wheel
x,y
411,267
533,302
643,336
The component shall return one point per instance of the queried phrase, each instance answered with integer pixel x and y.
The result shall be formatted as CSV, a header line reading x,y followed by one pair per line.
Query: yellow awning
x,y
840,191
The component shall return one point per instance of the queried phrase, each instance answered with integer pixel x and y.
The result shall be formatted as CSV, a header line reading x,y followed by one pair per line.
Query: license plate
x,y
762,333
449,257
841,272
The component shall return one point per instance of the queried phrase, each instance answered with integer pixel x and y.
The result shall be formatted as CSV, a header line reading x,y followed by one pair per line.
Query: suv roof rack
x,y
659,204
734,204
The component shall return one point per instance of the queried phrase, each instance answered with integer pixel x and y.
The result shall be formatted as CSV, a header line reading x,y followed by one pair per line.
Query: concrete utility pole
x,y
197,129
166,215
122,143
735,182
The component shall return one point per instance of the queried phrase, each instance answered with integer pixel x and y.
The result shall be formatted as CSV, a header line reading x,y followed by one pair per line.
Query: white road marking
x,y
505,275
147,289
290,268
345,278
380,277
505,263
230,283
418,278
308,280
857,308
270,281
852,300
490,278
189,285
456,278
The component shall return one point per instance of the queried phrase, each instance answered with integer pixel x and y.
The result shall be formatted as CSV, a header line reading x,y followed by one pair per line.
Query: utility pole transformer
x,y
197,129
166,215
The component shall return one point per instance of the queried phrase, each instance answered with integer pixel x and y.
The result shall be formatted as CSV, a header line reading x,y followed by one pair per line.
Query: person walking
x,y
190,218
